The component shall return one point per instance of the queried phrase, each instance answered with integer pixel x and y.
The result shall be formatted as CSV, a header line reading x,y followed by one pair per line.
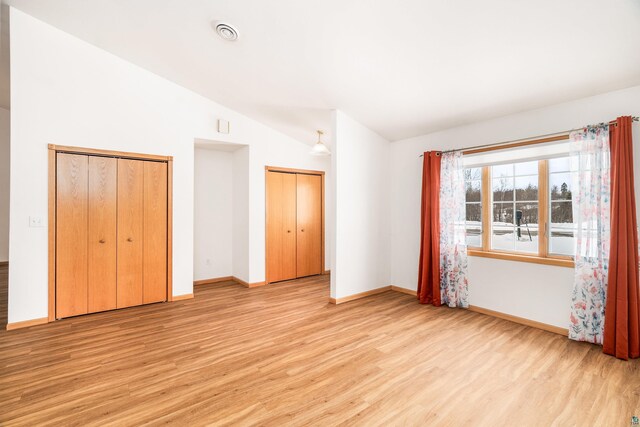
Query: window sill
x,y
558,262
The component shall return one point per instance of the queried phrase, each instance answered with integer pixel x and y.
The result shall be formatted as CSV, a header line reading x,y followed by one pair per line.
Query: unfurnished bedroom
x,y
319,213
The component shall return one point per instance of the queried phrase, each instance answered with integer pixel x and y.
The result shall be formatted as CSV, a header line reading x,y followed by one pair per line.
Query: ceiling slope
x,y
401,68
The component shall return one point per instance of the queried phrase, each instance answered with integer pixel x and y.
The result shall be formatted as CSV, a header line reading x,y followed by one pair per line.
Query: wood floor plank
x,y
281,355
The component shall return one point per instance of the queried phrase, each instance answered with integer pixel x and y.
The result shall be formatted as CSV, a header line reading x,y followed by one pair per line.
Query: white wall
x,y
4,184
240,224
66,91
361,168
532,291
213,214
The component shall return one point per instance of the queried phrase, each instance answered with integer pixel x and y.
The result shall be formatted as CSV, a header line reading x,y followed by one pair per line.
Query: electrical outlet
x,y
208,261
36,221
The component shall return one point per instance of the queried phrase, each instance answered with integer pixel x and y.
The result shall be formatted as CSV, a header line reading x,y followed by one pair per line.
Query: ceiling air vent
x,y
226,31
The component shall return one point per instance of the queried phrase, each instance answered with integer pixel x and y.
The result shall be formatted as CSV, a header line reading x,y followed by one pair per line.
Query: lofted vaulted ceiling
x,y
402,68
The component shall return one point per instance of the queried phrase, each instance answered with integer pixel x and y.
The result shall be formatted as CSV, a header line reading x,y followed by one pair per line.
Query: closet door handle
x,y
102,241
129,239
288,231
302,230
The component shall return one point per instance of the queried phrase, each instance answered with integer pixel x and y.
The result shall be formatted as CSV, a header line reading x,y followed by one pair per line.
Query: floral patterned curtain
x,y
453,249
590,165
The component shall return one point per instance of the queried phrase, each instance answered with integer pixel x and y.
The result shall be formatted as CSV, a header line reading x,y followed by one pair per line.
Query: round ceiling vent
x,y
226,31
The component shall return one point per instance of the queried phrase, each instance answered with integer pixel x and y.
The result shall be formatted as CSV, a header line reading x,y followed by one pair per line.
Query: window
x,y
562,230
514,213
529,216
473,218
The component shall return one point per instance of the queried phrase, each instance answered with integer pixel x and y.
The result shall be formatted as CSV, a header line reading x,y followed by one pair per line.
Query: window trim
x,y
543,256
517,256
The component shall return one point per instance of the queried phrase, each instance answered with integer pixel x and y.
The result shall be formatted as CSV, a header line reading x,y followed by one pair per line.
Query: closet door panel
x,y
155,233
71,234
130,232
102,233
281,226
309,225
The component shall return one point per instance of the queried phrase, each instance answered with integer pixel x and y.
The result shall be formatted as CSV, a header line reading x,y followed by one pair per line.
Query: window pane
x,y
562,241
528,213
502,189
527,188
474,236
502,214
502,238
473,191
562,164
561,213
472,174
527,239
527,168
501,171
562,229
474,213
560,186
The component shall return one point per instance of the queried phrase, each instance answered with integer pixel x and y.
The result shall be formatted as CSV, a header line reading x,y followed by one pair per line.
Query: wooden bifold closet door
x,y
71,231
309,225
101,285
281,226
154,251
294,225
111,233
130,231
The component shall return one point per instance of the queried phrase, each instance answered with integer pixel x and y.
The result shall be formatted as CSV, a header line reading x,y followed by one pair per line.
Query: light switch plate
x,y
36,221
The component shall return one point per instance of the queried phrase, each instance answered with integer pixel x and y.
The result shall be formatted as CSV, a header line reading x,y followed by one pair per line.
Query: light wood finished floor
x,y
281,355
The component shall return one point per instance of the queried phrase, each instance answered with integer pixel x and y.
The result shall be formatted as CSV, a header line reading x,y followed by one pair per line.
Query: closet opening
x,y
220,212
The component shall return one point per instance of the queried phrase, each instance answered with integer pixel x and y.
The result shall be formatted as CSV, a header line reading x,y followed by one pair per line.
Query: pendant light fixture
x,y
319,149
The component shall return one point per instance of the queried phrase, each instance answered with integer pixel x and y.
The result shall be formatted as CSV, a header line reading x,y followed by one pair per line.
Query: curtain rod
x,y
497,144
